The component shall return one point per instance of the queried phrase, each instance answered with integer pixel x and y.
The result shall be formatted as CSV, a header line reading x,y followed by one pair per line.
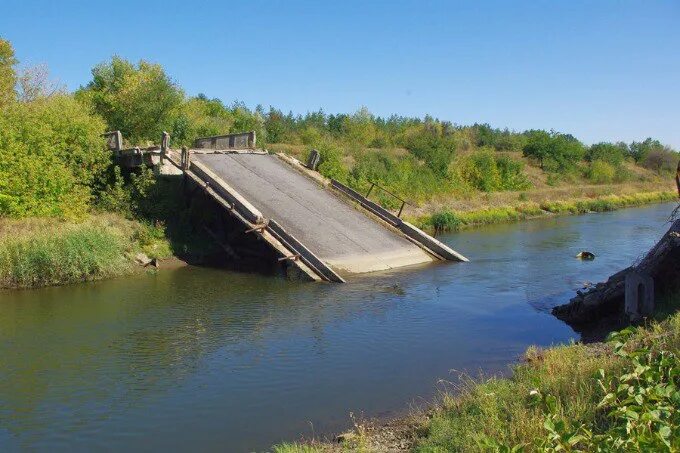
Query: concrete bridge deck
x,y
316,226
335,231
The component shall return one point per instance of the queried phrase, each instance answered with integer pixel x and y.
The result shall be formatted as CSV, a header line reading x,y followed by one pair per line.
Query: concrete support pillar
x,y
165,145
185,158
639,295
114,141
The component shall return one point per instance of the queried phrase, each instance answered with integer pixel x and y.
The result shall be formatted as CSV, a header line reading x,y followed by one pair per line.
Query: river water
x,y
205,359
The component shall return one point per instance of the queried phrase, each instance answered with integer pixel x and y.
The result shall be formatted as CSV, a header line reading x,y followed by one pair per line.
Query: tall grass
x,y
42,252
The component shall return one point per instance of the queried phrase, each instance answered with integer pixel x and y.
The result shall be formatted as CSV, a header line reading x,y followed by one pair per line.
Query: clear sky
x,y
601,70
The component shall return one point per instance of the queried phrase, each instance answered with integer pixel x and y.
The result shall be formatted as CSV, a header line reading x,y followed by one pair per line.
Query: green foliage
x,y
8,76
59,254
640,150
402,175
640,409
485,171
601,172
139,100
51,158
607,152
200,117
433,145
555,152
330,163
445,221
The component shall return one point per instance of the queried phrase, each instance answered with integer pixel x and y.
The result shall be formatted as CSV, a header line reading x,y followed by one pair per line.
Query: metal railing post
x,y
369,190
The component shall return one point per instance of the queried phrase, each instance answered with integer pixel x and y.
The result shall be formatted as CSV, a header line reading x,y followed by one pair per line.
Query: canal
x,y
205,359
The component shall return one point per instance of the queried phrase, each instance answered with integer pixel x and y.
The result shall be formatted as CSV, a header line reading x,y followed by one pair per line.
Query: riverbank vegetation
x,y
622,395
54,163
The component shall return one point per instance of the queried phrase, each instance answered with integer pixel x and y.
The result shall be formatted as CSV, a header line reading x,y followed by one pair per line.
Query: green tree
x,y
606,152
139,100
201,117
640,150
554,151
52,158
8,76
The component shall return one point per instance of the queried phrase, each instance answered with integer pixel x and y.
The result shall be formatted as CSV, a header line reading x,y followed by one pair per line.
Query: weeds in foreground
x,y
620,396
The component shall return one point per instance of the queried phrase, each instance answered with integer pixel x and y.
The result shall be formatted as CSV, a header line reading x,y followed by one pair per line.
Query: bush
x,y
404,176
52,158
430,144
200,117
330,162
445,221
488,173
601,172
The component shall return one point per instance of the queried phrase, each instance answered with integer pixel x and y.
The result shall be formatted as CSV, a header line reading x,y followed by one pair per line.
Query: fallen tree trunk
x,y
662,263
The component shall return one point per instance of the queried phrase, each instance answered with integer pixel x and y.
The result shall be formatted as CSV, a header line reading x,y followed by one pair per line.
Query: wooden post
x,y
677,179
165,145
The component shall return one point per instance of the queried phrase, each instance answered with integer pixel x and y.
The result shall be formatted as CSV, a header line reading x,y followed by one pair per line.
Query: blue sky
x,y
605,70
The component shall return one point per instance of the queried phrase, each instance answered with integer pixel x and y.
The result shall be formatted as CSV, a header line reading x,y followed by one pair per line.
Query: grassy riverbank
x,y
567,398
41,252
454,220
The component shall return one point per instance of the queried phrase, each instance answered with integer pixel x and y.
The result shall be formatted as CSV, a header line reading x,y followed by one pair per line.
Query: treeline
x,y
53,161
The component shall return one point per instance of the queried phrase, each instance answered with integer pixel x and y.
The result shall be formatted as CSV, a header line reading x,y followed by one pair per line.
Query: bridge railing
x,y
403,202
243,140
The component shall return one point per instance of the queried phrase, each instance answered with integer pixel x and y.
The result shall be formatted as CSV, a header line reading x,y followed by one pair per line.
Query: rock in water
x,y
142,259
585,255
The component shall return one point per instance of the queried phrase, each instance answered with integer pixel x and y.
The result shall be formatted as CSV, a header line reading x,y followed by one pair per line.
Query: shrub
x,y
601,172
403,175
52,158
512,174
445,221
200,117
429,144
330,162
488,173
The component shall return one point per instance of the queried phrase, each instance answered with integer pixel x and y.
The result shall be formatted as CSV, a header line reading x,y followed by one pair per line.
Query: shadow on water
x,y
200,357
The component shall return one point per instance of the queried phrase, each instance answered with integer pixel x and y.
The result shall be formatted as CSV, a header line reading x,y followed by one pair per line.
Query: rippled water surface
x,y
204,359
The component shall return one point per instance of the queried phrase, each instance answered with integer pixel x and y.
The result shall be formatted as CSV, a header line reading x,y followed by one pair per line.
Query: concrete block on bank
x,y
313,160
639,299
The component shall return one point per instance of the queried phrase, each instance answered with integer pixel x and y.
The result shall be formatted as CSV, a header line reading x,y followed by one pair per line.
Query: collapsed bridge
x,y
318,227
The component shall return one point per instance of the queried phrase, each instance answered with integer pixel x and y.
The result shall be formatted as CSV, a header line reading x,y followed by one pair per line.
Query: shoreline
x,y
454,421
122,239
451,221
